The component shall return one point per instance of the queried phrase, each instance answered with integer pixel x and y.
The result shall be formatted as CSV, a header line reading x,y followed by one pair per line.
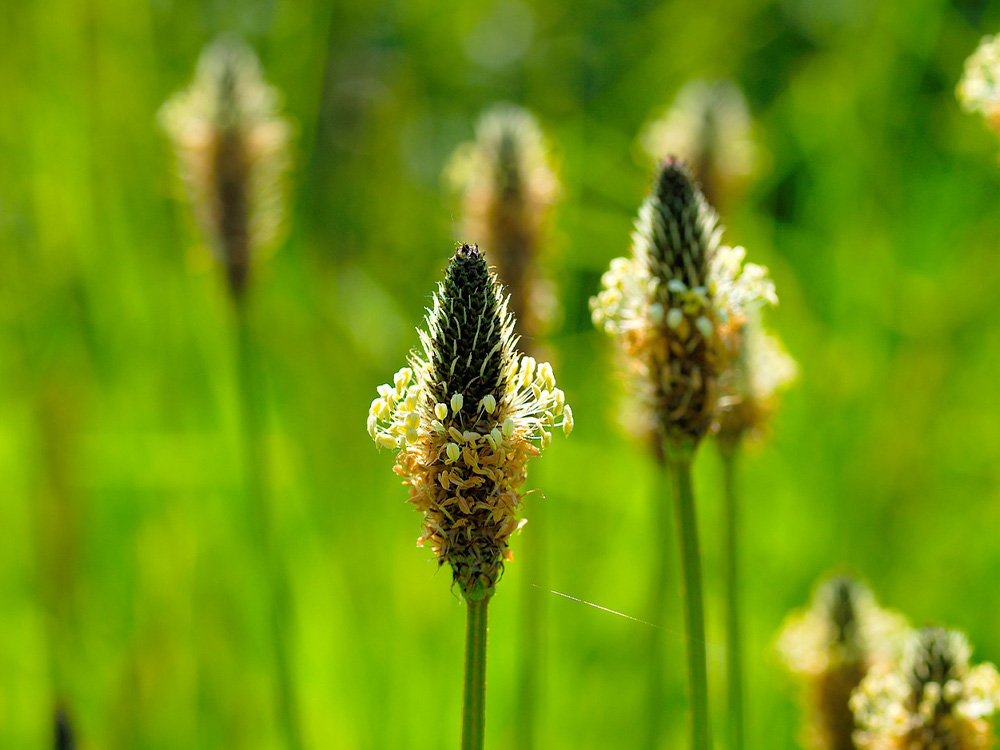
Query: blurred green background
x,y
129,592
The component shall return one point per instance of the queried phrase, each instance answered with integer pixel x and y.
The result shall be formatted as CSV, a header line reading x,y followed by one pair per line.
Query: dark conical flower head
x,y
931,700
675,302
465,417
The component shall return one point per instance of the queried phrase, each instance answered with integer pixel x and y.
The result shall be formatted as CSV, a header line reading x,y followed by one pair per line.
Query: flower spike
x,y
470,413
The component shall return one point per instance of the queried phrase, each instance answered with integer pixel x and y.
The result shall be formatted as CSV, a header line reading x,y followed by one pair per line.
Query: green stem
x,y
656,707
254,464
730,547
694,610
474,698
532,658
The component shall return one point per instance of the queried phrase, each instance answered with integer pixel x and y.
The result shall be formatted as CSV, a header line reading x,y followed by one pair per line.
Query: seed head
x,y
979,89
508,187
931,700
232,152
829,648
470,413
710,128
675,304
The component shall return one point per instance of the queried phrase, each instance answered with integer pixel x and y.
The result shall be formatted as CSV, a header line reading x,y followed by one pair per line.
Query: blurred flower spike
x,y
979,89
830,647
677,306
750,387
232,152
508,185
465,417
933,700
710,128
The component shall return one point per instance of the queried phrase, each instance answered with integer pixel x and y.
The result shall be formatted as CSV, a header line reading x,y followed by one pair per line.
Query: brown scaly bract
x,y
676,304
466,416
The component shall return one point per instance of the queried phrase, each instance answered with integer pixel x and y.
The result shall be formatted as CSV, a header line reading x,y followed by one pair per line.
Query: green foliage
x,y
129,592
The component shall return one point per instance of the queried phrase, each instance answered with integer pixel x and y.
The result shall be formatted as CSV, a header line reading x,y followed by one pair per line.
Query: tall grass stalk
x,y
255,472
474,694
728,449
679,461
657,606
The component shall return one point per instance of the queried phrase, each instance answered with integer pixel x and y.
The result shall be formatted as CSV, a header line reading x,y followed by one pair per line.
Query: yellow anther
x,y
469,436
412,420
385,441
546,375
456,403
410,403
411,435
508,427
386,392
402,379
453,452
372,426
489,403
496,435
455,434
440,411
567,423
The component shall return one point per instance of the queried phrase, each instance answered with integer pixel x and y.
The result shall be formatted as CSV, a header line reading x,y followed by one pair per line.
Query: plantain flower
x,y
932,700
979,89
750,386
676,304
232,151
830,647
508,186
465,417
709,127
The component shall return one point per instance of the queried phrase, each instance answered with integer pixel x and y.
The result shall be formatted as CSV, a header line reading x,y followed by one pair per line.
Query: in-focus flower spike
x,y
830,647
678,266
232,150
979,89
508,187
472,415
749,388
709,127
931,700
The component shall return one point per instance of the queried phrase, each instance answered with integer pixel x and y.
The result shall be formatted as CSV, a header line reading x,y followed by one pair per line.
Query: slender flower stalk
x,y
464,417
674,306
231,147
748,390
508,187
829,648
932,700
979,89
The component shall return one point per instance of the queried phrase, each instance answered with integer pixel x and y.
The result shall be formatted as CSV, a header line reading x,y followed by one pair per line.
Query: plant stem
x,y
254,464
532,556
656,708
694,611
474,699
730,547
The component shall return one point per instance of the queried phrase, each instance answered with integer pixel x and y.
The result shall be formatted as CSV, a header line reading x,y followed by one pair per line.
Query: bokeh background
x,y
129,592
